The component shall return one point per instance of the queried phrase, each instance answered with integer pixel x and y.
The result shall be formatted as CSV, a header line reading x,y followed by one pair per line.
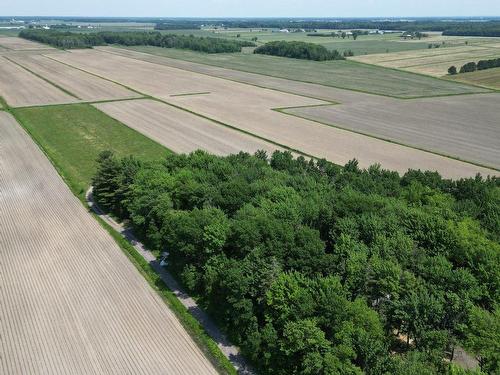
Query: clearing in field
x,y
20,44
489,78
82,85
181,131
72,302
249,109
21,88
433,62
341,74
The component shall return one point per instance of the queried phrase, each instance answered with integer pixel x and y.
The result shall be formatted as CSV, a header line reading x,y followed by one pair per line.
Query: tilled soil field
x,y
83,85
181,131
249,108
21,88
70,300
465,127
20,44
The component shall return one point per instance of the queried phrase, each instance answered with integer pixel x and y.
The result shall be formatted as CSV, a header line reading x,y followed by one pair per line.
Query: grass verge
x,y
73,136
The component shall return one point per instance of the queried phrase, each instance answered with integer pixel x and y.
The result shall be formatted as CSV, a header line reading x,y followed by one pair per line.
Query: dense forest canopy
x,y
68,40
316,269
298,50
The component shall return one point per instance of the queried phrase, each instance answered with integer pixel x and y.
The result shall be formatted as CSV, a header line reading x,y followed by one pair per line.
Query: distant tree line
x,y
448,27
316,269
472,66
298,50
69,40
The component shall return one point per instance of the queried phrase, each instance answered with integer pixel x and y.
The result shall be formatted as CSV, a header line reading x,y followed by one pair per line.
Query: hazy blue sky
x,y
251,8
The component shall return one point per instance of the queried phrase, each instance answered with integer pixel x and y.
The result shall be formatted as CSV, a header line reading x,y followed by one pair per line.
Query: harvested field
x,y
341,74
18,44
487,78
83,85
21,88
181,131
434,62
71,301
250,109
465,127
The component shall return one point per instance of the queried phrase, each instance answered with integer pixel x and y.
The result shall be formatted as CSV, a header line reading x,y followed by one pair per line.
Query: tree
x,y
452,70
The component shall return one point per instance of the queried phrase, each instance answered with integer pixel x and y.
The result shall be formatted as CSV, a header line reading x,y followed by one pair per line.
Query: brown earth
x,y
181,131
71,302
83,85
21,88
17,44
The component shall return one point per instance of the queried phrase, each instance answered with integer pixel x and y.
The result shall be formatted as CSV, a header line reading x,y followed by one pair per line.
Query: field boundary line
x,y
322,84
43,78
192,93
382,138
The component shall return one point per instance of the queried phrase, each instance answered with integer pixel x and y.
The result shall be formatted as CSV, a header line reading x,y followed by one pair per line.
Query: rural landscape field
x,y
249,195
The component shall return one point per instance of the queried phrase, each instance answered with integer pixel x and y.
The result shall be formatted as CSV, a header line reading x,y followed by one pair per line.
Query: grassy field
x,y
488,78
342,74
74,135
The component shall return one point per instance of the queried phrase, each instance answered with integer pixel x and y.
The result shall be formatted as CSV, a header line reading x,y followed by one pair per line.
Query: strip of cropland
x,y
20,44
433,62
83,85
249,109
342,74
181,131
21,88
71,301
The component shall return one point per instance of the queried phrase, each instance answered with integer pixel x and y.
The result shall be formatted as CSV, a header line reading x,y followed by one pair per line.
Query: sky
x,y
250,8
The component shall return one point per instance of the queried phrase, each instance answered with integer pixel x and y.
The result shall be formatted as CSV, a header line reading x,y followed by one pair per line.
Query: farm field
x,y
20,44
82,85
341,74
433,62
74,135
381,116
489,78
181,131
249,109
464,127
72,302
21,88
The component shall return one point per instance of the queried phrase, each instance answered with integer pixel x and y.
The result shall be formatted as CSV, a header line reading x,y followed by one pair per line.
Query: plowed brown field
x,y
70,300
181,131
21,88
83,85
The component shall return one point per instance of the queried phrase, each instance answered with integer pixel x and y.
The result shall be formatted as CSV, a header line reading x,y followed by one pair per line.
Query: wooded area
x,y
69,40
298,50
316,269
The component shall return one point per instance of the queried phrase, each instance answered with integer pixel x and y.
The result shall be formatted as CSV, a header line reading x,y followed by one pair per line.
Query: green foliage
x,y
452,70
316,269
298,50
68,40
